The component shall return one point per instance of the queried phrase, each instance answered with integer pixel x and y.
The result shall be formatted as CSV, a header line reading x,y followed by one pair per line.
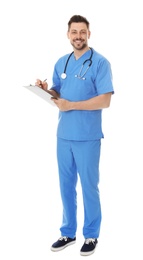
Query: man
x,y
82,84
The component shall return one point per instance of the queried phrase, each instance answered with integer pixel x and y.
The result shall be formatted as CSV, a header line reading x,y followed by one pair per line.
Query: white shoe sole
x,y
54,249
87,253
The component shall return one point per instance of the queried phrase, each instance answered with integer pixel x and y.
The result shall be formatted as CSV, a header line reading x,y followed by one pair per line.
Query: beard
x,y
79,46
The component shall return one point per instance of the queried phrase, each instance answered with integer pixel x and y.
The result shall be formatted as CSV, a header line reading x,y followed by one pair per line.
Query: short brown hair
x,y
78,19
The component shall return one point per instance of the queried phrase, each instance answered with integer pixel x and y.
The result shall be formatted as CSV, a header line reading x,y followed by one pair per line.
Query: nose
x,y
78,35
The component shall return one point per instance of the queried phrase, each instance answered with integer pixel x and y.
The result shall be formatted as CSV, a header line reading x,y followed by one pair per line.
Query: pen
x,y
40,83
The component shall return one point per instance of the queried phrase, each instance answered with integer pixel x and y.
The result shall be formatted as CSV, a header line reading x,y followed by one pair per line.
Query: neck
x,y
79,53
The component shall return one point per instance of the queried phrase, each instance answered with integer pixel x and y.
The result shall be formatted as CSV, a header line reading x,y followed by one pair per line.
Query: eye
x,y
83,32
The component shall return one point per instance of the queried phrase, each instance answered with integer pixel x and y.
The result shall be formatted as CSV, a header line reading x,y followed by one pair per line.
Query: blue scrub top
x,y
82,125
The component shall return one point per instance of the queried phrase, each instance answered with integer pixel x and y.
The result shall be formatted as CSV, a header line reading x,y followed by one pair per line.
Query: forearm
x,y
95,103
53,92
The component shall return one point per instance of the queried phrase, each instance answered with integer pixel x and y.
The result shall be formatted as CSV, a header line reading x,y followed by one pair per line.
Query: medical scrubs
x,y
79,134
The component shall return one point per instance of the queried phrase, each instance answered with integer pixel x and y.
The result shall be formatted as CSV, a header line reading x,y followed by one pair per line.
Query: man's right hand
x,y
41,84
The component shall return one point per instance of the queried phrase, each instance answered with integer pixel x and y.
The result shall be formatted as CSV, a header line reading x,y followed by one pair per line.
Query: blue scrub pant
x,y
79,157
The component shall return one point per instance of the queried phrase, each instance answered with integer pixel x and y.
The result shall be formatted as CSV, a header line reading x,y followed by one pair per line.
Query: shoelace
x,y
63,238
89,240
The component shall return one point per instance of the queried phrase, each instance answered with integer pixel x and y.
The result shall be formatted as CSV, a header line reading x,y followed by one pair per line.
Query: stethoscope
x,y
79,76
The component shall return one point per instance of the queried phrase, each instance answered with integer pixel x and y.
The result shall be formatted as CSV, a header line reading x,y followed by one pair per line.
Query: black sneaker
x,y
88,247
62,242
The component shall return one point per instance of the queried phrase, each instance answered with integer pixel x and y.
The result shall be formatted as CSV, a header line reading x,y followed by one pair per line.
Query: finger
x,y
38,82
44,84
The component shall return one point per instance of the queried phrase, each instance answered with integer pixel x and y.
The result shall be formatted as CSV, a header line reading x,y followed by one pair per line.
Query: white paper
x,y
41,93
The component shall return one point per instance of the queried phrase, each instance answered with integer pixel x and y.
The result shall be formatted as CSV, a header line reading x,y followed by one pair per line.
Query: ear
x,y
89,33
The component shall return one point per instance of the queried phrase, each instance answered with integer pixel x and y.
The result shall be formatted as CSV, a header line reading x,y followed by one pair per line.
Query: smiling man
x,y
82,83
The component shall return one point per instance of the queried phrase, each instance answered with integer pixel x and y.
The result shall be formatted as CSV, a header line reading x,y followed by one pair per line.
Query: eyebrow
x,y
82,30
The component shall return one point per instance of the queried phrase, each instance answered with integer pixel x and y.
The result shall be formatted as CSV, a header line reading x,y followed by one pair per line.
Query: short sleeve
x,y
104,79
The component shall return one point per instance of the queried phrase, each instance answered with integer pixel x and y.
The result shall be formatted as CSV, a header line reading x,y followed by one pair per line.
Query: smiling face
x,y
78,34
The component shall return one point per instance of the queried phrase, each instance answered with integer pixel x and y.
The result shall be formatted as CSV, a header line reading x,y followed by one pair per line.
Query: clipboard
x,y
45,94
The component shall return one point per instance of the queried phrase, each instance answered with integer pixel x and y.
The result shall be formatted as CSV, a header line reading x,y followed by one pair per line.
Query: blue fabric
x,y
79,136
82,125
79,158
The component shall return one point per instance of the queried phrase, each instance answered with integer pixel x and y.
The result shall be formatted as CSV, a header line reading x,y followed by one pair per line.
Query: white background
x,y
33,37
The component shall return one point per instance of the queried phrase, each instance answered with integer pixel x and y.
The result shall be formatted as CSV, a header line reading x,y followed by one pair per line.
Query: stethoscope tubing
x,y
63,75
67,62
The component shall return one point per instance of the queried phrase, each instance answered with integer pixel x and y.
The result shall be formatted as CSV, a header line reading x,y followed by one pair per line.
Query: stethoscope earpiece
x,y
80,77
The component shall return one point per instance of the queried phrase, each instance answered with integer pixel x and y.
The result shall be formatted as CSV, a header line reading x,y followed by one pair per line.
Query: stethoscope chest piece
x,y
63,75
